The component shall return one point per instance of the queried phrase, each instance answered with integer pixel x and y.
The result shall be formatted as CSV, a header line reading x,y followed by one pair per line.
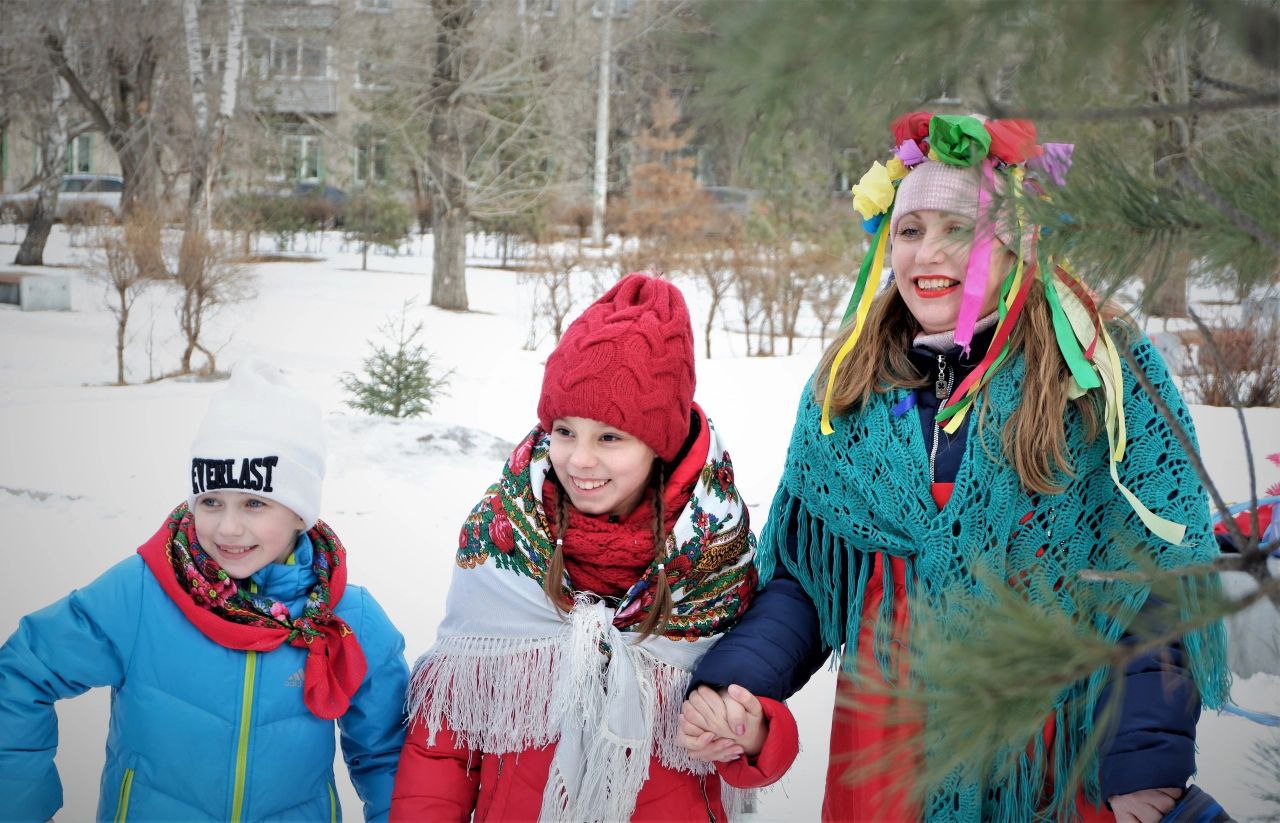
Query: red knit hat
x,y
627,361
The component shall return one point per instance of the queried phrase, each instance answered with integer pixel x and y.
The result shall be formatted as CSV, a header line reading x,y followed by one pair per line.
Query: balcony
x,y
317,14
297,95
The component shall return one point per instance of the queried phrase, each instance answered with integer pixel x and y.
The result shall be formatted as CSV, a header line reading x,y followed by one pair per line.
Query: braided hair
x,y
659,612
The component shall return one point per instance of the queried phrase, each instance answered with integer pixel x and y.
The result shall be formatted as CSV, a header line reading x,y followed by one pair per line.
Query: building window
x,y
370,162
537,8
621,8
302,157
289,57
80,155
371,76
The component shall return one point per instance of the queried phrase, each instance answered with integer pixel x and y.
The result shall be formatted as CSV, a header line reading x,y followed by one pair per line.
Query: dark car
x,y
325,205
731,208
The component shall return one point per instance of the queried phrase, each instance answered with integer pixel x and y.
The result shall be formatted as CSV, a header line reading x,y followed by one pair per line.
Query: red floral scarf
x,y
236,618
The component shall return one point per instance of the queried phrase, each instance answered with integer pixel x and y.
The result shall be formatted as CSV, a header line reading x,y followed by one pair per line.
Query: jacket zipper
x,y
246,716
702,784
122,806
941,389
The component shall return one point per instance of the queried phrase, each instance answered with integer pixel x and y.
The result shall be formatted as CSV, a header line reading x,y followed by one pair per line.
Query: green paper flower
x,y
958,140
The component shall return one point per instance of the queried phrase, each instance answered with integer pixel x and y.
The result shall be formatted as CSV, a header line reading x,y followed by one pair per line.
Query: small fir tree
x,y
398,379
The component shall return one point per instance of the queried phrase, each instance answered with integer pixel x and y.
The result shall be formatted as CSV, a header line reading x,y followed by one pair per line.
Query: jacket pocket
x,y
122,804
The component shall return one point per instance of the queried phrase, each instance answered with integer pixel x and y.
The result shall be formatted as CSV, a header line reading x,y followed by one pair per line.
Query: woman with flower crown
x,y
976,424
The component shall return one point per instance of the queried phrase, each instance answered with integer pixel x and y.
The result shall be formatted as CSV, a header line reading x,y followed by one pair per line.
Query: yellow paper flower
x,y
874,192
897,169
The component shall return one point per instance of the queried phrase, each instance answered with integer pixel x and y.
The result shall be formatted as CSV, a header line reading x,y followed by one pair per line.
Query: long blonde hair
x,y
1035,439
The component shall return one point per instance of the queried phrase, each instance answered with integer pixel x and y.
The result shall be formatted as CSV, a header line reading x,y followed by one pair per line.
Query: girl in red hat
x,y
611,553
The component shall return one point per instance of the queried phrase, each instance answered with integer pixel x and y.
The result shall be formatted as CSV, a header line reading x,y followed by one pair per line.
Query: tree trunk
x,y
449,258
450,212
122,323
711,319
31,252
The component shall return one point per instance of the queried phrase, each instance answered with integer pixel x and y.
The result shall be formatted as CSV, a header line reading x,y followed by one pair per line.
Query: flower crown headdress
x,y
1007,148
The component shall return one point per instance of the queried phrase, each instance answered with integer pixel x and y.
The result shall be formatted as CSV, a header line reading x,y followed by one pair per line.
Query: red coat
x,y
444,782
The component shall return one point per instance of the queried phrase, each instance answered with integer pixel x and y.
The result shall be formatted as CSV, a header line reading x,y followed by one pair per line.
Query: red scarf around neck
x,y
215,605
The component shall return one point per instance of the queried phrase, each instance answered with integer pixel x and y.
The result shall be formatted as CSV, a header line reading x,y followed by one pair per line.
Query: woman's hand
x,y
722,726
1146,806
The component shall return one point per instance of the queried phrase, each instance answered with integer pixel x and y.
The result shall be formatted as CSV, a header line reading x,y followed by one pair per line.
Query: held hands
x,y
717,727
1146,806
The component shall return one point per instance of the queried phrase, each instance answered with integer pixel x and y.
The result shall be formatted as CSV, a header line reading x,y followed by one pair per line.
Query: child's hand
x,y
1147,806
722,726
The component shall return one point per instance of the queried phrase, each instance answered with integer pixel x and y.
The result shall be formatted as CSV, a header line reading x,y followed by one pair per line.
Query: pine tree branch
x,y
1224,85
1221,365
1188,177
1193,454
1260,100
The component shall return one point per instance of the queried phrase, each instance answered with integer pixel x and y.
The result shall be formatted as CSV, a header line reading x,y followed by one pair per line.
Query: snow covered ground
x,y
88,470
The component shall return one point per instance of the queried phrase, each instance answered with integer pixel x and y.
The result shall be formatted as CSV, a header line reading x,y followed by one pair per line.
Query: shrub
x,y
377,219
1247,367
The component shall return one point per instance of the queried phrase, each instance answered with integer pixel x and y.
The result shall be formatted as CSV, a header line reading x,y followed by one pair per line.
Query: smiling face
x,y
604,470
929,256
244,532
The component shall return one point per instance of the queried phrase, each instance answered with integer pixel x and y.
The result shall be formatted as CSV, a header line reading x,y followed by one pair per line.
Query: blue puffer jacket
x,y
197,731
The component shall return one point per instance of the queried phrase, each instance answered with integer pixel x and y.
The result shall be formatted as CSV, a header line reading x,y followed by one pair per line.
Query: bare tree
x,y
37,106
553,285
712,264
52,136
210,133
748,290
486,92
208,279
111,53
117,266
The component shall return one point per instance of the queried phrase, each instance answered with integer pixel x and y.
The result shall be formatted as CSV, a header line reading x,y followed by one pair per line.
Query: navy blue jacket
x,y
777,645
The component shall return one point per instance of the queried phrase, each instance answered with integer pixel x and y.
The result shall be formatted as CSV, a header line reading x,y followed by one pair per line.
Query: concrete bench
x,y
35,292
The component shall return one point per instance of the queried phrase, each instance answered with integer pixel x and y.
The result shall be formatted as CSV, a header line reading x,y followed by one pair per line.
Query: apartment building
x,y
313,73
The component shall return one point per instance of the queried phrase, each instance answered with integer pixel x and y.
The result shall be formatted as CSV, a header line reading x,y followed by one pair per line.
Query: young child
x,y
611,554
231,642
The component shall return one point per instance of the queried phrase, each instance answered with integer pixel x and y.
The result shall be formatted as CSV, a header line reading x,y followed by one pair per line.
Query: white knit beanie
x,y
263,437
941,187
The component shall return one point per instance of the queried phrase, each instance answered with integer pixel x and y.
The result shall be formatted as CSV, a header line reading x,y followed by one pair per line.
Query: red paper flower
x,y
1013,141
911,126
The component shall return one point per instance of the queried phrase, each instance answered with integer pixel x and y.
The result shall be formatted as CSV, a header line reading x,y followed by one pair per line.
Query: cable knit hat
x,y
263,437
627,361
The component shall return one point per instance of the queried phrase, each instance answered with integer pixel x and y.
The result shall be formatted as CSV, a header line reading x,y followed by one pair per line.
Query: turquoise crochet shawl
x,y
865,489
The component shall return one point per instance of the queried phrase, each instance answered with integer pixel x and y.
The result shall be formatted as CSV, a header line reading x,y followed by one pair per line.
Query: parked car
x,y
78,192
325,205
730,208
